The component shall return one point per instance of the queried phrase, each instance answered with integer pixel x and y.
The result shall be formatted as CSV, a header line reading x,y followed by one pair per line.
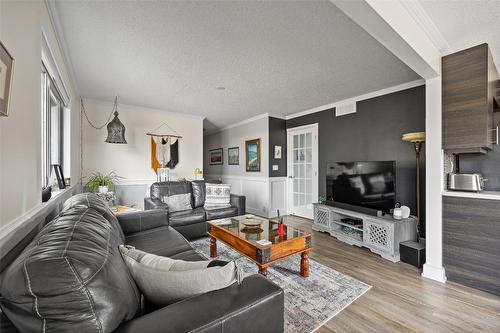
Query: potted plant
x,y
101,183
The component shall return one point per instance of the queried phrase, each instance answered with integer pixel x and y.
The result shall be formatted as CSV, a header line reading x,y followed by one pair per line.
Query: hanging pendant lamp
x,y
116,130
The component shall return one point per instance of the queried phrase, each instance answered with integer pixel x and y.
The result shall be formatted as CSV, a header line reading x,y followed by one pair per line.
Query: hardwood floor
x,y
400,300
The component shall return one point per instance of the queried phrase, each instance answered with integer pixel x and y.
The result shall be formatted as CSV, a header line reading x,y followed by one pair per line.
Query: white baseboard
x,y
434,273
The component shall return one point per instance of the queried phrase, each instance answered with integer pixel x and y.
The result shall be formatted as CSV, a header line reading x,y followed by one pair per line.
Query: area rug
x,y
309,302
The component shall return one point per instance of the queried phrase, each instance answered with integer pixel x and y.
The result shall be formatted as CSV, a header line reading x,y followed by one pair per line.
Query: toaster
x,y
473,182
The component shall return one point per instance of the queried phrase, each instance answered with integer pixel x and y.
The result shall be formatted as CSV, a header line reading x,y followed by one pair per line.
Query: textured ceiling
x,y
271,57
467,23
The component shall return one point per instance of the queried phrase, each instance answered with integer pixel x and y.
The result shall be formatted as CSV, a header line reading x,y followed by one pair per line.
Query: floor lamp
x,y
418,139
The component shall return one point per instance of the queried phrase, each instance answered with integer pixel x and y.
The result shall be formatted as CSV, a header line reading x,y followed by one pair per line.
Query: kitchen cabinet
x,y
471,242
468,92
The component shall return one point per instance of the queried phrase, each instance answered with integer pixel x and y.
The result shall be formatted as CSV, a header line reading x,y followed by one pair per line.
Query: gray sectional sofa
x,y
71,277
191,223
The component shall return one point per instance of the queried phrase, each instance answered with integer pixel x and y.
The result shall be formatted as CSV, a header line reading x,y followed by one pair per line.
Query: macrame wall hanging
x,y
164,151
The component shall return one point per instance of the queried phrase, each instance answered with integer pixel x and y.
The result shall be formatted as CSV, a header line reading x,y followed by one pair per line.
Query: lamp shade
x,y
414,137
116,131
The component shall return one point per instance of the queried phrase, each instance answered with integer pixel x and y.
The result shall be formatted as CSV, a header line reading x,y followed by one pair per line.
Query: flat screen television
x,y
365,184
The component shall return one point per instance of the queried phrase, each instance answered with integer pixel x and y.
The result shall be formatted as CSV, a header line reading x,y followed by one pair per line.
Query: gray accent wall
x,y
277,137
374,133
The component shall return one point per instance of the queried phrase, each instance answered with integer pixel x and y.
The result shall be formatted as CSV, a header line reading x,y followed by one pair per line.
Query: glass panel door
x,y
302,172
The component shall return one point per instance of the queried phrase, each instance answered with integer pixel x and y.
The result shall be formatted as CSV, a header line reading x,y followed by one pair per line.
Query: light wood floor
x,y
400,300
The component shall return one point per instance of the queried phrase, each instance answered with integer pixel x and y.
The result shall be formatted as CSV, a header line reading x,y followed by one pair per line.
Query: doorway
x,y
302,169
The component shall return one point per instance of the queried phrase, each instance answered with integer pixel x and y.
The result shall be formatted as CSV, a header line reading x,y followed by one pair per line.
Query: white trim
x,y
53,69
434,273
399,87
249,178
423,20
302,211
486,195
130,106
56,27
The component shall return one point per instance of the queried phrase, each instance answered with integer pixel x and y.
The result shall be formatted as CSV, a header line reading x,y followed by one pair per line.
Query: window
x,y
54,129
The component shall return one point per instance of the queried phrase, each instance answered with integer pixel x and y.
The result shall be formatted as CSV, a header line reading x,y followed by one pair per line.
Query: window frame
x,y
50,95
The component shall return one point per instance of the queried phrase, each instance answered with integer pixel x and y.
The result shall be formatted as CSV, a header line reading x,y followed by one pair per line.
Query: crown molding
x,y
423,20
105,103
399,87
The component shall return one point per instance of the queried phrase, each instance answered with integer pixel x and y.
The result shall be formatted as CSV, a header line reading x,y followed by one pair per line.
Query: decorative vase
x,y
46,193
103,189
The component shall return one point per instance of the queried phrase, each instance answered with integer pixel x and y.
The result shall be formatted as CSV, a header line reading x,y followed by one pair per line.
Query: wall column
x,y
433,267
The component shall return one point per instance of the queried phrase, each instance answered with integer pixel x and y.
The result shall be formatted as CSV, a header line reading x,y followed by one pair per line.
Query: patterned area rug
x,y
309,302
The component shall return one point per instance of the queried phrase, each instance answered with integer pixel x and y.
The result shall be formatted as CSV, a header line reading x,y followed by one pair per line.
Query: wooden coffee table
x,y
241,233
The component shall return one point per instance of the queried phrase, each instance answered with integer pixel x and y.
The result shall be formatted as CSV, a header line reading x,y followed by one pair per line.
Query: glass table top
x,y
254,228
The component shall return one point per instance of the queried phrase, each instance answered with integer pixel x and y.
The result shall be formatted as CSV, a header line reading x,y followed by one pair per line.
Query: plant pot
x,y
103,189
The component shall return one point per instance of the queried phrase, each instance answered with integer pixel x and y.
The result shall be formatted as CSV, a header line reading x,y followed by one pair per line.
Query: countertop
x,y
490,195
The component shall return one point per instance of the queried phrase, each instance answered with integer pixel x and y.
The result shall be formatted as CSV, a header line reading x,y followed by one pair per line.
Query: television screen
x,y
365,184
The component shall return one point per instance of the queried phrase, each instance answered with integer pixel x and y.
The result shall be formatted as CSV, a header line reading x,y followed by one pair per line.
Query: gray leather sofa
x,y
71,277
191,223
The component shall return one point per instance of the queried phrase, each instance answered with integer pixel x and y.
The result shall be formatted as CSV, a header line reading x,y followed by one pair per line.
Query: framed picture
x,y
59,175
252,150
277,152
6,75
233,156
215,156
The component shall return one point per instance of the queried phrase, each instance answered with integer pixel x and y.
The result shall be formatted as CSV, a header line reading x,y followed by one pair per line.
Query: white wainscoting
x,y
255,189
278,194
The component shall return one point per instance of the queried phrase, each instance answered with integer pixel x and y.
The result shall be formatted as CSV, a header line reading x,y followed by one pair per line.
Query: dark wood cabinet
x,y
468,90
471,242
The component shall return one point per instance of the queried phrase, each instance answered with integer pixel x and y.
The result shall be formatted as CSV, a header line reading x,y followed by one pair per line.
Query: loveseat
x,y
191,223
71,277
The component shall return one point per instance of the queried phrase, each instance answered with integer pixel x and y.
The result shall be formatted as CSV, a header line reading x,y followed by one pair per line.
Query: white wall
x,y
433,267
253,185
21,24
236,137
133,160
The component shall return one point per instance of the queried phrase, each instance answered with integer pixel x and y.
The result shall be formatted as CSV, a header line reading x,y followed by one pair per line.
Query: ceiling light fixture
x,y
220,88
116,130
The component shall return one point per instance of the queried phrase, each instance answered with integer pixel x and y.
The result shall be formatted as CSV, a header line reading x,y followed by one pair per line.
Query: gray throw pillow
x,y
164,281
217,196
178,202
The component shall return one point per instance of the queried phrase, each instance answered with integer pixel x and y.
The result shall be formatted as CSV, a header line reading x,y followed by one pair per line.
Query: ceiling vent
x,y
342,110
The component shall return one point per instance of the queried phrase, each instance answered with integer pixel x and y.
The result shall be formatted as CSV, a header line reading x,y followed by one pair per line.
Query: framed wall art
x,y
215,156
6,75
252,152
233,156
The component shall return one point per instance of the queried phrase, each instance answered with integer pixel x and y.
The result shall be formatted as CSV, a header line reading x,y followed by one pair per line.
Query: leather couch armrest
x,y
154,204
133,222
239,201
257,305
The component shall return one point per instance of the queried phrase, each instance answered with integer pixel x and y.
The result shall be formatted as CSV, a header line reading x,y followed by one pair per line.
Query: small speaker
x,y
412,253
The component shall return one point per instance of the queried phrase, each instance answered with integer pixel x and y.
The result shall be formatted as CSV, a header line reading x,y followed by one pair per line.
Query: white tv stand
x,y
381,235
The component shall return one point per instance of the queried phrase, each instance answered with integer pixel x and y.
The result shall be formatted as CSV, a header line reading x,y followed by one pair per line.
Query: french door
x,y
302,170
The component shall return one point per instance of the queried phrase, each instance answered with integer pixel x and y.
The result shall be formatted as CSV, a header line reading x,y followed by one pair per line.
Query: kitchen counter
x,y
490,195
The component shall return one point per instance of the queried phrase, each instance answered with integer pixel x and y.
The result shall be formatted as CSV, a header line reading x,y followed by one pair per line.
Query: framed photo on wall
x,y
277,152
6,75
252,152
233,156
215,156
